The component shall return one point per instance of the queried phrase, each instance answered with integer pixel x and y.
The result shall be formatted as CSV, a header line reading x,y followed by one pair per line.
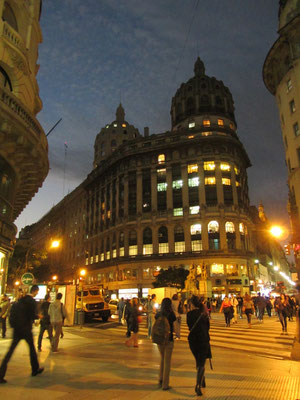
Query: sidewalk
x,y
94,363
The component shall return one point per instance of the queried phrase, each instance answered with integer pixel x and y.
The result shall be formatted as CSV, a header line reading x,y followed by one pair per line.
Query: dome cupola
x,y
201,97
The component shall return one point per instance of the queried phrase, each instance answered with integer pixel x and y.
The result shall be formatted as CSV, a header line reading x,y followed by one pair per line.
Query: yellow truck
x,y
90,300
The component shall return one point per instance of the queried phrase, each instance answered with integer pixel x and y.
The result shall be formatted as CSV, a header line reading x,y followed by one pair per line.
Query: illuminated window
x,y
102,257
226,181
146,273
237,183
86,261
191,137
177,212
163,248
161,173
195,229
242,228
231,126
296,129
209,165
232,269
217,269
206,122
192,168
133,250
236,170
114,253
196,245
206,133
147,249
121,252
115,125
213,227
192,125
229,227
289,85
108,214
225,167
161,159
194,209
193,181
210,181
97,258
162,187
92,260
123,125
179,247
292,106
177,184
108,255
221,122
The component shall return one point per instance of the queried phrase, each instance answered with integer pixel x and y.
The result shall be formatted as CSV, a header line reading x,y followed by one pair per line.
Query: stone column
x,y
169,188
202,200
139,191
204,233
223,241
126,195
171,238
218,174
154,190
117,200
233,184
237,235
187,236
155,238
185,189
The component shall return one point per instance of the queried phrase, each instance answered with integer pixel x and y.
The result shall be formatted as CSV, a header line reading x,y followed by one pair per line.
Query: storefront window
x,y
217,269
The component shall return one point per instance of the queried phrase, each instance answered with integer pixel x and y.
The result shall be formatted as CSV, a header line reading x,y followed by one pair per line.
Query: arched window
x,y
113,144
163,243
121,244
213,235
179,239
242,235
147,241
190,106
4,80
133,250
107,248
230,235
196,237
161,159
9,16
114,246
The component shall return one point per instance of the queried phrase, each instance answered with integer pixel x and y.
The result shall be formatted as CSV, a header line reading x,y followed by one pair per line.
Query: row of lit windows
x,y
206,122
229,269
116,125
193,182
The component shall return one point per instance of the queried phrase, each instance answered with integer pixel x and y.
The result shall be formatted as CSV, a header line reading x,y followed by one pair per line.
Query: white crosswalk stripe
x,y
263,338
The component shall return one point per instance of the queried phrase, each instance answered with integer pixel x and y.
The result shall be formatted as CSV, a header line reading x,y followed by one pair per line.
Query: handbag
x,y
123,320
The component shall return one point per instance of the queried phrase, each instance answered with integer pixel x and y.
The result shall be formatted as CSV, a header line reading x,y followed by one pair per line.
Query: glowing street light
x,y
17,283
82,272
276,268
54,278
55,244
276,231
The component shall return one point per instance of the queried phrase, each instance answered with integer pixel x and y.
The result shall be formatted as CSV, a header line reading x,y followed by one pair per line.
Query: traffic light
x,y
287,249
296,249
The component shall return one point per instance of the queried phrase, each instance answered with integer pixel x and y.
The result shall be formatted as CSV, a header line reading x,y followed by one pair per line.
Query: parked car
x,y
113,305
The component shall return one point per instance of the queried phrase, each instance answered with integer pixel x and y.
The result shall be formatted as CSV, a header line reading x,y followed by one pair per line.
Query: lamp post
x,y
82,274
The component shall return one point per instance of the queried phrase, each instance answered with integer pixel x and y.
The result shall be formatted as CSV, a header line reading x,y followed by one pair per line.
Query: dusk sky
x,y
96,52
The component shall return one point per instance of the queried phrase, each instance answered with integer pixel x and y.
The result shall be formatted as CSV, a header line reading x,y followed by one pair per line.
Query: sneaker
x,y
2,380
39,371
167,388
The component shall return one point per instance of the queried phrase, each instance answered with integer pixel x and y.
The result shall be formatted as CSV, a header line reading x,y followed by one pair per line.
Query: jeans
x,y
17,336
227,315
44,328
57,326
248,313
165,363
3,323
150,322
261,311
283,321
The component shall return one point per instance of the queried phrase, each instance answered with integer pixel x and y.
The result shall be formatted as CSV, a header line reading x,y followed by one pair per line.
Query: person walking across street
x,y
57,313
23,313
235,304
166,349
260,304
4,311
45,324
198,323
132,323
226,307
282,307
240,306
248,308
175,308
121,306
151,310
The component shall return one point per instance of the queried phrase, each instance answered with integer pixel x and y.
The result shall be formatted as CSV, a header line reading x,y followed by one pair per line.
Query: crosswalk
x,y
264,339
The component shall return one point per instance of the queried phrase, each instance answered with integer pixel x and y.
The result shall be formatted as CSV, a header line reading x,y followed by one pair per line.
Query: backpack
x,y
161,330
17,315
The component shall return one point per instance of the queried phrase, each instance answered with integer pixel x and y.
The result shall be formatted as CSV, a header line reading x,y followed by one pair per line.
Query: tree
x,y
173,276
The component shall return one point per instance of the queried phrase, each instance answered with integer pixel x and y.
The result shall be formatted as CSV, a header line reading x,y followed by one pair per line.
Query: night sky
x,y
96,52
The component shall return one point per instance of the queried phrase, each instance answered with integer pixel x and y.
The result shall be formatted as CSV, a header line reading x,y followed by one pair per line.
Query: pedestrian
x,y
240,306
57,313
248,308
120,307
45,324
133,325
166,349
198,323
226,307
175,308
213,305
27,313
260,305
282,307
4,311
208,306
269,306
126,313
235,304
151,310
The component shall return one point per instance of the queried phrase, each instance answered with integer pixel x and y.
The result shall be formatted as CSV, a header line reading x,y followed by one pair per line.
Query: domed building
x,y
178,198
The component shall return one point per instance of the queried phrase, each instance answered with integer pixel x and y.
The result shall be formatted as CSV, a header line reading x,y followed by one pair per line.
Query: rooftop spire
x,y
199,68
120,113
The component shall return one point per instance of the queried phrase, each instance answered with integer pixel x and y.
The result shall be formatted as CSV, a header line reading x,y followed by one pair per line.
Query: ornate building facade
x,y
281,73
23,144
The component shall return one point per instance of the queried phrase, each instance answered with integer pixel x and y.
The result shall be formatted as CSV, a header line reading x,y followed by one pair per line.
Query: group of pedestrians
x,y
23,314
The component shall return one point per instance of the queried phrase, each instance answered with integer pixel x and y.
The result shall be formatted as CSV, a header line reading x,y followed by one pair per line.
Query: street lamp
x,y
55,244
276,231
54,278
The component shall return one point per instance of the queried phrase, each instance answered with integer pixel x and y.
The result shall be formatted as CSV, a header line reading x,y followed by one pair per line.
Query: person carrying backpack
x,y
57,313
22,315
162,335
198,322
45,321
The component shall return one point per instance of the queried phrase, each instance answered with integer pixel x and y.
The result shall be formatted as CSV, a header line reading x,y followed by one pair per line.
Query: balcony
x,y
12,37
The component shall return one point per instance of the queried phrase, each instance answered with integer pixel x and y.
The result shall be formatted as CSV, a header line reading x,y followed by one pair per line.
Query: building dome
x,y
201,96
112,136
288,10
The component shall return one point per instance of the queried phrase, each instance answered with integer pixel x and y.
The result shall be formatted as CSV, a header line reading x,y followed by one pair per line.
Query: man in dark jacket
x,y
24,331
260,303
45,324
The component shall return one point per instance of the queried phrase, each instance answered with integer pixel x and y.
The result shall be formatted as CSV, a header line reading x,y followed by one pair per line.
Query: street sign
x,y
27,278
